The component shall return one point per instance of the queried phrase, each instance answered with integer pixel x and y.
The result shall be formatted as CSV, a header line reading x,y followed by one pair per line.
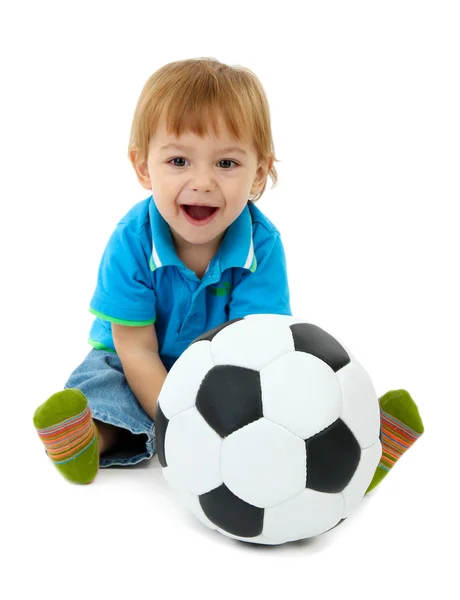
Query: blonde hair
x,y
193,94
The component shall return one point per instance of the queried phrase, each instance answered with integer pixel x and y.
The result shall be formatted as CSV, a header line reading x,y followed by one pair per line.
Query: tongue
x,y
200,212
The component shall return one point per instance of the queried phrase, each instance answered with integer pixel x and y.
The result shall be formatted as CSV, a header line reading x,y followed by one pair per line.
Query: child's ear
x,y
141,169
261,176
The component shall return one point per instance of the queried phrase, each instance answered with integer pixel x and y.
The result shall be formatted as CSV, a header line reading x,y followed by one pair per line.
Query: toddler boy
x,y
195,253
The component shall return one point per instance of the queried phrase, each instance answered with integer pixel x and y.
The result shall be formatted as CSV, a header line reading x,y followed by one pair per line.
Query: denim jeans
x,y
101,379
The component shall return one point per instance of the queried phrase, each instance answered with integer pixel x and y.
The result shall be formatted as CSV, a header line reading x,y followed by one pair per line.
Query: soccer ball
x,y
269,429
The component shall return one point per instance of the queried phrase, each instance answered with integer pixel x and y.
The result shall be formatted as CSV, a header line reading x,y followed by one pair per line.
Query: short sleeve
x,y
265,290
124,292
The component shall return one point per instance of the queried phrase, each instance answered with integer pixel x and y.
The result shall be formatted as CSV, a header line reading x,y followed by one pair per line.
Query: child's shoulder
x,y
260,221
138,216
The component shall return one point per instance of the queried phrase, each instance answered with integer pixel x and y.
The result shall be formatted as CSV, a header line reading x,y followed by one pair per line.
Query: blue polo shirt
x,y
141,280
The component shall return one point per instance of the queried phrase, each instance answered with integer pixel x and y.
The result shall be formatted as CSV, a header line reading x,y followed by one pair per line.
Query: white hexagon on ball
x,y
193,452
191,367
301,393
306,515
252,343
263,463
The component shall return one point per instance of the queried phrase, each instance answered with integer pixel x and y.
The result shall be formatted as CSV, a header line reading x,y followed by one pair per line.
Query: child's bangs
x,y
206,117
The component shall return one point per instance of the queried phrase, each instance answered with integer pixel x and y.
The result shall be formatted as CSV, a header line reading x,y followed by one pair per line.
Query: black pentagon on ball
x,y
208,336
314,340
230,398
232,514
161,424
333,456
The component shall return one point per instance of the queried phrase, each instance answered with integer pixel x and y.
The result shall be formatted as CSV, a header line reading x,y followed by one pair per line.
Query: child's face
x,y
200,172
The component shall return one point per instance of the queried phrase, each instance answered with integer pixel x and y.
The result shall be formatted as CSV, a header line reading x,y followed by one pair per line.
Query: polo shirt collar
x,y
237,247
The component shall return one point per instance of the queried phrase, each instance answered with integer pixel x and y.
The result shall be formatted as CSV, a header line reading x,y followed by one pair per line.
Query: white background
x,y
364,99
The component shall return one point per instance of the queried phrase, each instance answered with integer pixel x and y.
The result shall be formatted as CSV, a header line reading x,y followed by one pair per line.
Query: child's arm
x,y
137,348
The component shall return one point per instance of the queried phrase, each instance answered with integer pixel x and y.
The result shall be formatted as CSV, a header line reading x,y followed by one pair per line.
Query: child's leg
x,y
108,436
95,421
401,427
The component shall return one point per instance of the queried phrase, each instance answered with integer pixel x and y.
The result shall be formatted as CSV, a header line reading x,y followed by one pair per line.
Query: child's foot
x,y
66,427
401,427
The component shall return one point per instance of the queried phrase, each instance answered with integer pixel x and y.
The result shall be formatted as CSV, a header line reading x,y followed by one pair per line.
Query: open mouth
x,y
199,214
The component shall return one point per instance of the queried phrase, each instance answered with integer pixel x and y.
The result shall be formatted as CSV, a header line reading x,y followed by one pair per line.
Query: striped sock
x,y
69,438
401,427
66,428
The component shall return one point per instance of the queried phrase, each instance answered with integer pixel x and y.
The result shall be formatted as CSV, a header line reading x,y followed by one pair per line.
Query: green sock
x,y
401,427
66,427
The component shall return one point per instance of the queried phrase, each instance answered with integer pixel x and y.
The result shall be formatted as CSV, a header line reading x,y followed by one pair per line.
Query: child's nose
x,y
203,180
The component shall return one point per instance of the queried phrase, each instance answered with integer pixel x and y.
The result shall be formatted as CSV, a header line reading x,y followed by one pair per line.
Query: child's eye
x,y
227,160
174,159
181,158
